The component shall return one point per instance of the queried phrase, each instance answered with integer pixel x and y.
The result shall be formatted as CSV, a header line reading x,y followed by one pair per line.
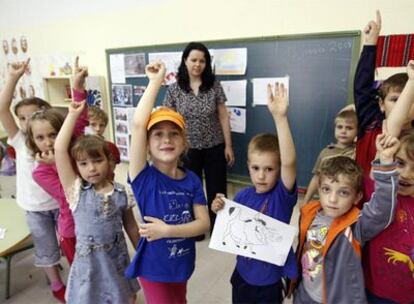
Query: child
x,y
333,230
170,199
345,133
42,129
272,169
389,258
41,209
371,113
98,120
99,207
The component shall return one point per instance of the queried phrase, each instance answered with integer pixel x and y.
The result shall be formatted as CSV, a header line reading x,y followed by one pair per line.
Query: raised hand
x,y
17,69
47,157
79,78
277,100
387,146
76,108
410,69
154,229
372,30
155,71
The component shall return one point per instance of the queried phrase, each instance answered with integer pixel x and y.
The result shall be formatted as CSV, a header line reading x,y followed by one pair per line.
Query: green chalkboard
x,y
321,69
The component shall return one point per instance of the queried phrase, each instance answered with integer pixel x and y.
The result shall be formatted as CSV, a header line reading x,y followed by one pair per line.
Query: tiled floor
x,y
209,283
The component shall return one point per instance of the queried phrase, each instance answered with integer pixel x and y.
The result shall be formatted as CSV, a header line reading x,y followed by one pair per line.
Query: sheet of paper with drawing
x,y
244,231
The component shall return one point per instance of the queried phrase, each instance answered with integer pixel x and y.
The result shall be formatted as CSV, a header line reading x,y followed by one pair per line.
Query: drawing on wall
x,y
243,231
171,60
122,95
134,65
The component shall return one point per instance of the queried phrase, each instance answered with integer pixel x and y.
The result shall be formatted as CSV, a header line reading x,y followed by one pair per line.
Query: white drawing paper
x,y
243,231
235,91
229,61
117,66
237,119
171,60
260,88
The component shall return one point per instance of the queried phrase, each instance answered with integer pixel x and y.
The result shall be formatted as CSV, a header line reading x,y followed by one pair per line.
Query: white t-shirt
x,y
29,195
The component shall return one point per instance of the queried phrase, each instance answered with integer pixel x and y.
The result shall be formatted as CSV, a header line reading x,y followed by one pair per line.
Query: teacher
x,y
200,98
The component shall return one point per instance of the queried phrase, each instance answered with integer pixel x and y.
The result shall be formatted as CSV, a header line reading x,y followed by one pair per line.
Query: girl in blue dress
x,y
100,210
170,199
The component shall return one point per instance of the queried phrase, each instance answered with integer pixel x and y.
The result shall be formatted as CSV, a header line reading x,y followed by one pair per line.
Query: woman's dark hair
x,y
207,78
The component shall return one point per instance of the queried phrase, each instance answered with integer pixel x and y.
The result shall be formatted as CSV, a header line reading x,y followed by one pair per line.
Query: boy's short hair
x,y
264,142
347,115
32,101
395,83
96,113
342,165
407,143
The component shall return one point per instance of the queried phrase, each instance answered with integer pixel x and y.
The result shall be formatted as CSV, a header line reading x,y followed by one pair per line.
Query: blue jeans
x,y
42,225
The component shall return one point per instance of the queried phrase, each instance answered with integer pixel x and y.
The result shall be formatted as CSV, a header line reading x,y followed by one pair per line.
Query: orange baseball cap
x,y
165,114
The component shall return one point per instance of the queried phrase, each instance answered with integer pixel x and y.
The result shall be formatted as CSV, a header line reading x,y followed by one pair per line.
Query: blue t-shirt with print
x,y
171,200
278,203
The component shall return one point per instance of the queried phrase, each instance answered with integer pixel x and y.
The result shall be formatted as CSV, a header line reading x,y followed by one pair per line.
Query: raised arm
x,y
379,212
79,94
401,113
67,174
367,109
138,147
278,107
16,71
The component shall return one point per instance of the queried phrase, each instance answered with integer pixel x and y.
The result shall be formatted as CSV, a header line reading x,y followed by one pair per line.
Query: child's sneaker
x,y
60,294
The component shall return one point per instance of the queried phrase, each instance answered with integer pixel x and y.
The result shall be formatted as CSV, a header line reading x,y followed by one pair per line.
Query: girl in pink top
x,y
42,130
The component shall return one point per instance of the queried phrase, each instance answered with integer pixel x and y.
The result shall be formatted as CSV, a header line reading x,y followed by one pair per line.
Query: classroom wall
x,y
89,27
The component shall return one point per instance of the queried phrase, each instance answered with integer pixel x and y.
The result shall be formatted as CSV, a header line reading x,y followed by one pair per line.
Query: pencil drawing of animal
x,y
246,233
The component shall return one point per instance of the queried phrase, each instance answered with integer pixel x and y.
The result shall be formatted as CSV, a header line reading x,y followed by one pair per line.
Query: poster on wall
x,y
122,95
117,68
16,49
237,119
134,65
260,88
171,60
229,61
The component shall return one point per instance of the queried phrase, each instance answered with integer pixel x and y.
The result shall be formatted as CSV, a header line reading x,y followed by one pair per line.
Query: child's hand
x,y
277,100
387,146
76,107
372,30
218,203
79,78
47,157
154,229
17,69
410,69
155,71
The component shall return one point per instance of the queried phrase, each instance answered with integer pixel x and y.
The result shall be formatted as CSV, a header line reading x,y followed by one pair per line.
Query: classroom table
x,y
17,237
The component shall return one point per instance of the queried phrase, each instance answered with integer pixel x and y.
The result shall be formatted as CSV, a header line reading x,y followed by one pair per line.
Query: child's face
x,y
406,170
264,170
345,131
166,142
94,170
44,135
97,126
23,115
387,104
337,197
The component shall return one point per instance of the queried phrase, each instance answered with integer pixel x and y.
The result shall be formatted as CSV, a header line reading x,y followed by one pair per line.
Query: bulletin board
x,y
320,68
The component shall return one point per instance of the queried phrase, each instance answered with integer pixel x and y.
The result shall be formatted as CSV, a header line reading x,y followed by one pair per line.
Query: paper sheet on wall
x,y
260,88
235,92
247,232
229,61
171,60
117,67
237,119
